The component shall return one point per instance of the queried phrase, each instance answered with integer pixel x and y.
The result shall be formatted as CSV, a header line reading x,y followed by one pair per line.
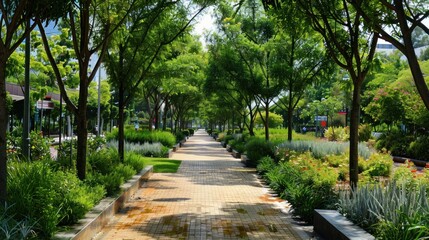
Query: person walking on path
x,y
212,196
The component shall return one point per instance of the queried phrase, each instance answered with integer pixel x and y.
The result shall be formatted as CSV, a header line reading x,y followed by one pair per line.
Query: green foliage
x,y
364,132
165,138
337,134
104,160
48,198
320,149
419,148
145,149
135,160
390,212
256,149
13,229
400,144
265,165
274,120
178,136
379,165
396,142
95,143
303,181
39,147
186,133
191,131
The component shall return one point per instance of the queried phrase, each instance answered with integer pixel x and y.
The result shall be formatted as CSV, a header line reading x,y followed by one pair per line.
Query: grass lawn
x,y
163,165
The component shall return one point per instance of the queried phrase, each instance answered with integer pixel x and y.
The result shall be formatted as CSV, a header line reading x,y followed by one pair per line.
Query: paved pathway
x,y
211,197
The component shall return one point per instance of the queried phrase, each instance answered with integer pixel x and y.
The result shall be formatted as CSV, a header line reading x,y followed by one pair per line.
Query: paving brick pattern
x,y
212,196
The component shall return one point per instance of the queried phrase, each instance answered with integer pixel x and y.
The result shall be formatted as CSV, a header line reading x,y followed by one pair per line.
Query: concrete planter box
x,y
236,154
182,142
244,158
169,154
330,224
228,148
175,147
101,214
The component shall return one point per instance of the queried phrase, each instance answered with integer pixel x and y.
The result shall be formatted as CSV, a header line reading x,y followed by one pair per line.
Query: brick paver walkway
x,y
211,197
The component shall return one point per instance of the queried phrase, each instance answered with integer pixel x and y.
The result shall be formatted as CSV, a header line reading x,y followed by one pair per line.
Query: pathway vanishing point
x,y
212,196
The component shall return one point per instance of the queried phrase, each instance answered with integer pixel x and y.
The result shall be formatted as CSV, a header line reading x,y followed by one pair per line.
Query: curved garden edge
x,y
100,215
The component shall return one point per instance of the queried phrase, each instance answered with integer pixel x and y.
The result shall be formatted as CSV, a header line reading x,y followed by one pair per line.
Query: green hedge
x,y
167,139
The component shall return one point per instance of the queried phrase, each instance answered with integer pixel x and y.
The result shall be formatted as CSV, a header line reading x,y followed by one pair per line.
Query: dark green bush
x,y
186,133
256,149
13,229
134,160
228,138
418,148
396,142
364,132
48,198
95,143
39,147
179,136
305,198
131,135
265,165
104,160
191,131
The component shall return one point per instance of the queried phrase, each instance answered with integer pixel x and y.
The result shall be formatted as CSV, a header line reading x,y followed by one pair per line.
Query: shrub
x,y
379,165
165,138
321,149
104,160
419,148
145,149
396,142
305,183
39,147
265,165
134,160
186,133
364,132
13,229
390,212
95,143
191,131
256,149
179,136
48,198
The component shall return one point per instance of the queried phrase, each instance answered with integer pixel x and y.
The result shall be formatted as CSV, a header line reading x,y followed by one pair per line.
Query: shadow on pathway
x,y
212,196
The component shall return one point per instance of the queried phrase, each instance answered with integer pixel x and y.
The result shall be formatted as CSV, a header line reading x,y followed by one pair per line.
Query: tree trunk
x,y
82,129
354,135
121,135
156,120
3,127
267,126
289,120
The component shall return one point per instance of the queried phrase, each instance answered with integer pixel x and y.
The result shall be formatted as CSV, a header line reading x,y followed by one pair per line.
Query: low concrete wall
x,y
101,214
330,224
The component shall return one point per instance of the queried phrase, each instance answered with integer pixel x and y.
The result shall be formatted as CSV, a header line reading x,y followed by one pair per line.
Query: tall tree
x,y
150,27
15,26
350,45
398,22
91,25
300,59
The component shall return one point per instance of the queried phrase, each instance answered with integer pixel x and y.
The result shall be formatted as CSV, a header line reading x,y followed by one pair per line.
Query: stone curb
x,y
101,214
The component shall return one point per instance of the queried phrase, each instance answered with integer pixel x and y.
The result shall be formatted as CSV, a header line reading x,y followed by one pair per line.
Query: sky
x,y
204,23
